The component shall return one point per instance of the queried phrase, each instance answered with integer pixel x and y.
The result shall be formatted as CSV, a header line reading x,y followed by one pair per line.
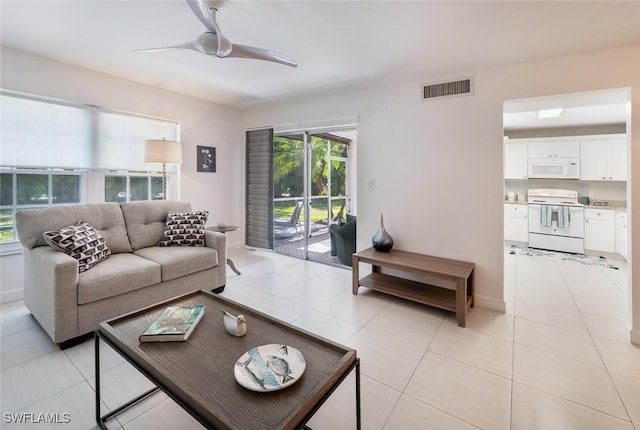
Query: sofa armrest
x,y
345,230
51,291
218,241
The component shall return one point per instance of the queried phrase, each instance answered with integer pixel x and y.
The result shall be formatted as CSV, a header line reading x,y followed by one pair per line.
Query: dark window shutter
x,y
259,183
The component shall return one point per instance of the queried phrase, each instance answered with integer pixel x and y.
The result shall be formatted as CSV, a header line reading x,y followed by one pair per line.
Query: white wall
x,y
202,123
437,165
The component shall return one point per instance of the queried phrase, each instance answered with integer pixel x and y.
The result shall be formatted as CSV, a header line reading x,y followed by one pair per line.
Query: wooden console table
x,y
461,272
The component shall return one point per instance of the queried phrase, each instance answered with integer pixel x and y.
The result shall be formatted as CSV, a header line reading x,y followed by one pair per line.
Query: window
x,y
59,152
20,189
128,187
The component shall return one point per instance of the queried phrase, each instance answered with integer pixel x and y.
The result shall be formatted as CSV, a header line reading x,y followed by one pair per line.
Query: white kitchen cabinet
x,y
515,161
621,233
516,224
599,230
553,149
617,159
603,160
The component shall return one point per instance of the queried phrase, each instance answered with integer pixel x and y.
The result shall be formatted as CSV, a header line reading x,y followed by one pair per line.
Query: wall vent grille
x,y
462,87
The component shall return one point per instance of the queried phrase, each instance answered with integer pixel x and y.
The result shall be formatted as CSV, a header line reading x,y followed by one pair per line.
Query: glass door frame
x,y
307,198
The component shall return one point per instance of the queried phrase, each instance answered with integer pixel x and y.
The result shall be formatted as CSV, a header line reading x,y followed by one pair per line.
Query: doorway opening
x,y
594,127
312,190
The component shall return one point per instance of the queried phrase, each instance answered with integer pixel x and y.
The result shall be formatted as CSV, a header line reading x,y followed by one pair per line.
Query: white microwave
x,y
556,168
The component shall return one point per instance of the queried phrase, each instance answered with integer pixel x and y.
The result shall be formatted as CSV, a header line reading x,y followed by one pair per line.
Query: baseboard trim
x,y
635,337
11,295
490,303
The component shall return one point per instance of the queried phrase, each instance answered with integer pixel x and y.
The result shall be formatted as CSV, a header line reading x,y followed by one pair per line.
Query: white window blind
x,y
43,133
120,141
35,134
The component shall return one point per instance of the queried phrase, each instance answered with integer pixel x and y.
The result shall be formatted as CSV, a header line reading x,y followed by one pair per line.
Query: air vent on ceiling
x,y
463,87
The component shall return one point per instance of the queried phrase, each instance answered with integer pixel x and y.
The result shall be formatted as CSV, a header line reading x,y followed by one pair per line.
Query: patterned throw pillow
x,y
82,242
184,228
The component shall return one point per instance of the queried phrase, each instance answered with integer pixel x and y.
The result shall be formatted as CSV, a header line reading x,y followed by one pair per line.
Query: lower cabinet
x,y
600,230
605,230
621,234
516,225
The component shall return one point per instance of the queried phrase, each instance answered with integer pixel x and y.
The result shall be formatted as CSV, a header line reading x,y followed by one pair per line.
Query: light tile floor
x,y
559,358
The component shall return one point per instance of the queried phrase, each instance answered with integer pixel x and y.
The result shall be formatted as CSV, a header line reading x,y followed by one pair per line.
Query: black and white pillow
x,y
82,242
184,228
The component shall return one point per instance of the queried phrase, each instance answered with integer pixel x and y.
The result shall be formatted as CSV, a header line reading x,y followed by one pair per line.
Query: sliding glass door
x,y
288,189
311,192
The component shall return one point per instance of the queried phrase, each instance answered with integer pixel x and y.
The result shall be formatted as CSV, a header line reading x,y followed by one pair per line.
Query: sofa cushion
x,y
184,228
177,261
146,220
106,218
82,242
120,273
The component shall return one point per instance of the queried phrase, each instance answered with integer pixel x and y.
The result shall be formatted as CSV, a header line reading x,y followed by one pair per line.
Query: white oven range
x,y
556,220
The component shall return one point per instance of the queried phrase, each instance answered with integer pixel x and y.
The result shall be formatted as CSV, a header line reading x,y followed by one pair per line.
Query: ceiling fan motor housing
x,y
207,43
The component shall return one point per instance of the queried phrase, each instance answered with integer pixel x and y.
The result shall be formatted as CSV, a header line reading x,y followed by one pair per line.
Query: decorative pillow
x,y
82,242
184,228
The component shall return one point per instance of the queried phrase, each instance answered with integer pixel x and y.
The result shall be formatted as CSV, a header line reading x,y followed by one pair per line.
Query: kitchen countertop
x,y
611,204
620,206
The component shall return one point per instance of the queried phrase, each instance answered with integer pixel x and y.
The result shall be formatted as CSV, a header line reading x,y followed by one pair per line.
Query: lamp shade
x,y
162,151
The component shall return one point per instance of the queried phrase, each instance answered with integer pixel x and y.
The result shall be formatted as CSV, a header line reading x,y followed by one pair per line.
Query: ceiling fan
x,y
213,42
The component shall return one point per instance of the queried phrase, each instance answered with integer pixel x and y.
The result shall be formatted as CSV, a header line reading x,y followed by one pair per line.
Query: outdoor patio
x,y
289,242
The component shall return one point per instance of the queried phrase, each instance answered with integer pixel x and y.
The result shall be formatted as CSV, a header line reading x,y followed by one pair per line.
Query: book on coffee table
x,y
175,323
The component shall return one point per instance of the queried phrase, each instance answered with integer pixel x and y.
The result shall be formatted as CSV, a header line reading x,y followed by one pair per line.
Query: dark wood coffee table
x,y
198,374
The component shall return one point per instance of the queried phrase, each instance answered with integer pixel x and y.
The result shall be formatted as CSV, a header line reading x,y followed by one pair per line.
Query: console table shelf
x,y
457,300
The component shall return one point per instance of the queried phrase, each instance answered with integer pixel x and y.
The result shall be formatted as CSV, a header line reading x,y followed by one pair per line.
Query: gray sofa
x,y
69,304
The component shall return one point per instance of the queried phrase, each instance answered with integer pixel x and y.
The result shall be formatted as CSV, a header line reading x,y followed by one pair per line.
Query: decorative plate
x,y
269,367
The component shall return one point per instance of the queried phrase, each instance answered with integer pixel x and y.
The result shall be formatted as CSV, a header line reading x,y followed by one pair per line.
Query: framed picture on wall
x,y
206,158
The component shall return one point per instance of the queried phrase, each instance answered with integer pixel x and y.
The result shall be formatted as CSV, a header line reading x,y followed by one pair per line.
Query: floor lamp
x,y
165,152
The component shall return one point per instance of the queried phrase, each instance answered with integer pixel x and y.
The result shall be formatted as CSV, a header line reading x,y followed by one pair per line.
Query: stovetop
x,y
553,196
555,203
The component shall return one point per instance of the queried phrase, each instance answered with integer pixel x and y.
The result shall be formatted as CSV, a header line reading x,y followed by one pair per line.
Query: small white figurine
x,y
234,325
222,224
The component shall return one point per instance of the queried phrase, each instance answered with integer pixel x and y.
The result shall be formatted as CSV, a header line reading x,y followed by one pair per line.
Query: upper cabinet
x,y
515,161
554,149
603,160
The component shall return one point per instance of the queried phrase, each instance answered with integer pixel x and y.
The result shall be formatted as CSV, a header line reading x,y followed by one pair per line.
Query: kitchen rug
x,y
578,258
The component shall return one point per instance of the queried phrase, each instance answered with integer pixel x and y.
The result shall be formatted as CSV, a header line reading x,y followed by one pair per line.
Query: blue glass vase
x,y
382,241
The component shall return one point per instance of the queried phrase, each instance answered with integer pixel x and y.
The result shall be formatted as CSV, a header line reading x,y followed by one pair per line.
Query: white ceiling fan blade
x,y
213,42
224,45
243,51
189,45
206,11
201,10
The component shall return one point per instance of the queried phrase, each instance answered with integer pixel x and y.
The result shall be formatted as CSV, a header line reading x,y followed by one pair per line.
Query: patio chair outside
x,y
295,219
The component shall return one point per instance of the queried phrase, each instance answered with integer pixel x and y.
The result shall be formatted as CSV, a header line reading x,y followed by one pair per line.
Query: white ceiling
x,y
602,107
335,43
